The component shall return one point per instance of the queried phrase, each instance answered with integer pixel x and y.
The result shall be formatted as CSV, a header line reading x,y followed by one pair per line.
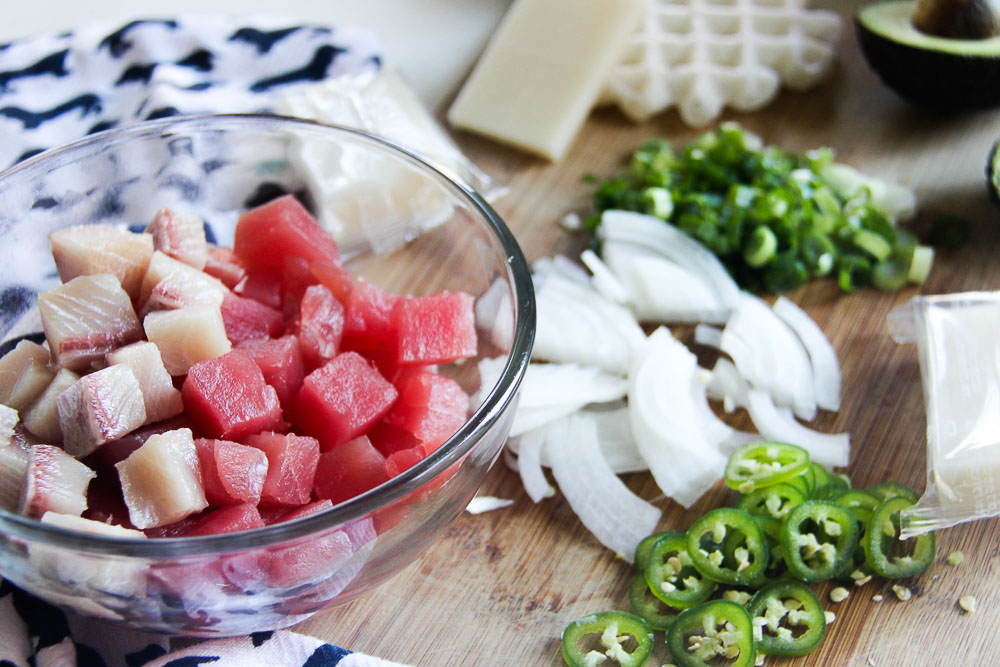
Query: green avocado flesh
x,y
929,71
993,174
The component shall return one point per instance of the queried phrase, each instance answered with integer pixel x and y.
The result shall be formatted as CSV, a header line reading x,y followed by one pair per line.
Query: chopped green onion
x,y
920,266
872,243
889,275
761,247
657,202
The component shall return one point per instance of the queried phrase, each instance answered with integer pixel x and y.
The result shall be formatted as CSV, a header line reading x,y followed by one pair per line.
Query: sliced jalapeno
x,y
788,619
727,545
828,486
885,553
671,574
711,630
805,483
771,528
642,550
861,504
763,463
889,489
819,538
624,638
773,501
652,609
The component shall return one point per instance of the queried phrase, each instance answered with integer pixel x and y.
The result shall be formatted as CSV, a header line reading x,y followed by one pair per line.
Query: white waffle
x,y
702,55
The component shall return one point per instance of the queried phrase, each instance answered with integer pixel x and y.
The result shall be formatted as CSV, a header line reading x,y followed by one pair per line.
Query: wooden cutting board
x,y
500,587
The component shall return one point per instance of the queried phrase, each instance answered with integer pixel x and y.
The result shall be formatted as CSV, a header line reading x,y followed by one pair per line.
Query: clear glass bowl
x,y
402,224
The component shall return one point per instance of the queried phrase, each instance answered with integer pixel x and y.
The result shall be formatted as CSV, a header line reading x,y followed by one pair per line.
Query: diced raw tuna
x,y
222,263
388,437
24,374
227,397
13,473
282,227
42,417
180,235
231,473
434,329
100,407
278,514
246,319
291,467
367,318
311,559
88,250
161,399
399,461
227,520
187,336
335,278
263,285
54,482
296,277
161,481
86,318
320,326
342,399
170,284
280,360
349,470
431,407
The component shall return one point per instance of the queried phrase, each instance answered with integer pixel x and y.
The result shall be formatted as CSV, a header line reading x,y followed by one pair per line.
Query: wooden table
x,y
500,587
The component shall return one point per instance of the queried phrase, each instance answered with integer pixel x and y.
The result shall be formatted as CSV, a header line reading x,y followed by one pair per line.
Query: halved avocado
x,y
928,69
993,174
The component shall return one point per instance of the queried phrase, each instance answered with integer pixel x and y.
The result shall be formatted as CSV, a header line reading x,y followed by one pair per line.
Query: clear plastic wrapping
x,y
958,341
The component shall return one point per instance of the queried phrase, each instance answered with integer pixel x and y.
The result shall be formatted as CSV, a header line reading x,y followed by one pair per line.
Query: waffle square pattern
x,y
704,55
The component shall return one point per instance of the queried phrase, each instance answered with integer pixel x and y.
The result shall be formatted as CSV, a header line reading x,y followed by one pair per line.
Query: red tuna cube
x,y
349,470
434,329
367,319
227,397
388,437
231,473
247,319
263,285
291,467
282,227
223,264
280,360
226,520
431,407
320,326
399,461
342,399
312,559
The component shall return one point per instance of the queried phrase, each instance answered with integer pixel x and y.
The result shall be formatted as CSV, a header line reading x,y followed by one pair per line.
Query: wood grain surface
x,y
500,587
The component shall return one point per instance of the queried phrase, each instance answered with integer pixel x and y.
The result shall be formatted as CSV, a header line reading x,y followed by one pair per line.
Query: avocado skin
x,y
993,174
931,78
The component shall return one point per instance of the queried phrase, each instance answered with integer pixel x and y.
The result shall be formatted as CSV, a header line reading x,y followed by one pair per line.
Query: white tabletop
x,y
432,42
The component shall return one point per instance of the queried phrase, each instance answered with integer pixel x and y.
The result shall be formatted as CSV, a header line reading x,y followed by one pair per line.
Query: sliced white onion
x,y
673,244
683,461
822,357
830,449
490,371
575,324
618,518
480,504
661,290
551,391
709,336
769,355
717,432
529,465
495,314
727,385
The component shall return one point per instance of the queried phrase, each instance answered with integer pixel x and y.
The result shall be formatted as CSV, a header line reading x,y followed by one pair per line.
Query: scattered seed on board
x,y
967,603
830,617
839,594
955,558
902,592
877,597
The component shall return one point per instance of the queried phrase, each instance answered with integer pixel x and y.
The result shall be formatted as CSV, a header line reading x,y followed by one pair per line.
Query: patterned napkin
x,y
57,88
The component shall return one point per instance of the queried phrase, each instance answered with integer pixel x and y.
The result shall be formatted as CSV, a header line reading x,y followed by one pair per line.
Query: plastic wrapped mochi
x,y
959,346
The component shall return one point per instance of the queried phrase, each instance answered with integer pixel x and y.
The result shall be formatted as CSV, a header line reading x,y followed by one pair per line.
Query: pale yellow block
x,y
543,70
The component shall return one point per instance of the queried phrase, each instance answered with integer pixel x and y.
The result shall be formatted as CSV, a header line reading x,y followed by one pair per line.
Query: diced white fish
x,y
13,472
180,235
160,397
187,335
24,374
87,250
41,419
161,481
176,285
8,420
85,319
54,482
100,407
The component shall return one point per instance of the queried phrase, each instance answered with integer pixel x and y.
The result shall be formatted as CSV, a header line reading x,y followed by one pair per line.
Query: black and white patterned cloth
x,y
58,88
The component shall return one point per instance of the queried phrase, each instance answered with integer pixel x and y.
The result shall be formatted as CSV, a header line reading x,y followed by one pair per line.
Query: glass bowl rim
x,y
357,508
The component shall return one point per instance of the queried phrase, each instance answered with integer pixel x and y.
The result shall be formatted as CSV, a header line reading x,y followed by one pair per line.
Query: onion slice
x,y
826,368
672,243
529,465
480,504
551,391
618,518
830,449
680,456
